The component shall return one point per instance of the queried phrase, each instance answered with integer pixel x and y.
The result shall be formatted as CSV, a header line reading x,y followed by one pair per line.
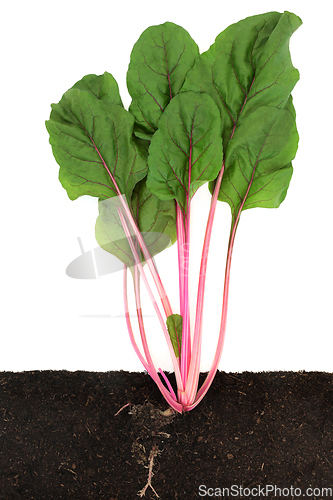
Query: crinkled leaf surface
x,y
160,60
186,151
175,328
103,87
258,168
92,142
248,66
155,218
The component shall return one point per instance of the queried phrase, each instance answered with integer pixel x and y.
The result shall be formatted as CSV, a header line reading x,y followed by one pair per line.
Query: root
x,y
154,452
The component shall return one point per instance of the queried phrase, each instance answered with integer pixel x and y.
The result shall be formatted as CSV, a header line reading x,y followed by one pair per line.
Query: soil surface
x,y
69,436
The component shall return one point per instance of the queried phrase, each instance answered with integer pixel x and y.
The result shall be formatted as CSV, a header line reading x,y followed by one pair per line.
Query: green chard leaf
x,y
258,160
248,66
175,328
159,62
186,151
103,87
155,218
92,141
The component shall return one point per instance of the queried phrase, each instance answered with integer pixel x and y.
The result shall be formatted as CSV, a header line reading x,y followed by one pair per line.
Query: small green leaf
x,y
156,220
175,328
258,160
103,87
92,142
159,62
186,151
248,66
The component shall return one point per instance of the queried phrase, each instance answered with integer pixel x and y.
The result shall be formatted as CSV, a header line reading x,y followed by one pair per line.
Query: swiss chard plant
x,y
224,117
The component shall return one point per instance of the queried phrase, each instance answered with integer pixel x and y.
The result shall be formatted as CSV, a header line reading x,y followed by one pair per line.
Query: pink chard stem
x,y
140,318
139,267
194,372
143,334
170,397
138,264
180,247
210,377
186,333
150,262
129,326
185,301
234,224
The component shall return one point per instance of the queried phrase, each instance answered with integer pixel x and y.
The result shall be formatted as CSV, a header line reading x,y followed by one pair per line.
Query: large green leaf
x,y
159,62
92,142
258,168
103,87
186,151
248,66
156,220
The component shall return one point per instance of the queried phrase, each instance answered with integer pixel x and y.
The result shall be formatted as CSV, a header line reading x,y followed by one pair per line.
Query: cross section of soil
x,y
106,436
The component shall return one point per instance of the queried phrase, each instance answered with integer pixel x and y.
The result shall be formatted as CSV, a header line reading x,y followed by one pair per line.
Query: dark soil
x,y
67,435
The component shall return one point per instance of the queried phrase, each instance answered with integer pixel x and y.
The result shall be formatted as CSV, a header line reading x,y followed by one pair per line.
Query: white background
x,y
280,307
